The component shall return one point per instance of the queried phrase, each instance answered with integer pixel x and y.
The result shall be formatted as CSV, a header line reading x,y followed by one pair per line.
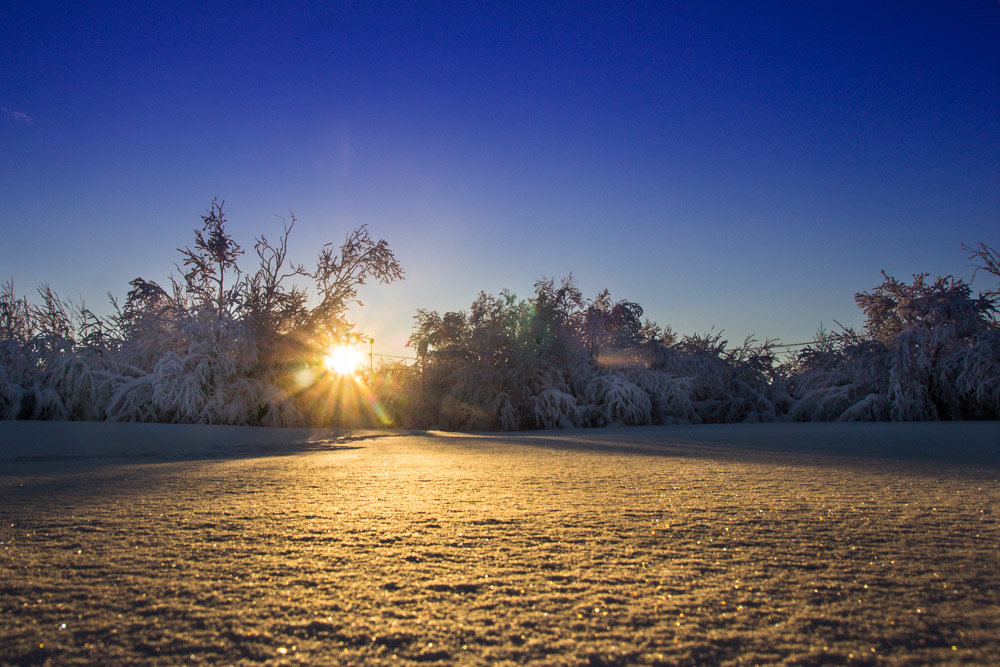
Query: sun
x,y
343,360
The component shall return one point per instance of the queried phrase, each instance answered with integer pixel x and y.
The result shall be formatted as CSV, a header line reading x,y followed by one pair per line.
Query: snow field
x,y
767,543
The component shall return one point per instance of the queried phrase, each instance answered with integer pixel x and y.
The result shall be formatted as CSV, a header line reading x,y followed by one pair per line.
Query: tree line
x,y
224,345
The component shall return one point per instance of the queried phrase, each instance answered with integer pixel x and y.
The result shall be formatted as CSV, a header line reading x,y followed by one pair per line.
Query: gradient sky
x,y
747,165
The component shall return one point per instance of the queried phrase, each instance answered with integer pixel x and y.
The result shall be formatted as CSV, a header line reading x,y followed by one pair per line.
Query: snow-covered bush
x,y
929,350
720,384
221,345
848,382
558,361
502,365
552,408
968,379
618,401
670,396
11,398
217,346
926,353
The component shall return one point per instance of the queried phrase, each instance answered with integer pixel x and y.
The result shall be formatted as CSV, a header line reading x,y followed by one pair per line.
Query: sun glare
x,y
343,360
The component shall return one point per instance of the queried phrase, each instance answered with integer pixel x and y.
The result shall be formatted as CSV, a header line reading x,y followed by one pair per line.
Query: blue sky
x,y
744,165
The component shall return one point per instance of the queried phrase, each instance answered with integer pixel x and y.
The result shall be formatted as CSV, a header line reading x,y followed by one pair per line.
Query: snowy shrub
x,y
11,397
501,365
459,415
720,384
894,307
670,397
618,401
969,378
559,361
912,364
132,401
839,384
222,345
41,402
82,384
552,408
541,394
873,407
278,409
215,346
925,354
503,408
928,351
822,396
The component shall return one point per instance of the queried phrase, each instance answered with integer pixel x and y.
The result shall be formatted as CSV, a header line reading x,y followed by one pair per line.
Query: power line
x,y
394,356
791,345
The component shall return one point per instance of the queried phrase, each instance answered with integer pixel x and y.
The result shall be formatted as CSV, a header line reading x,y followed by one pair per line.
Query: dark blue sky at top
x,y
743,165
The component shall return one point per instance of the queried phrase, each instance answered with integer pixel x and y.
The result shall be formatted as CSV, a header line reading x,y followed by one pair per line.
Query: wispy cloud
x,y
18,116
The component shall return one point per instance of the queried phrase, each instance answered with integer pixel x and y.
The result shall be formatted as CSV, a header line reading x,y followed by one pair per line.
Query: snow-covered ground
x,y
970,442
767,543
25,440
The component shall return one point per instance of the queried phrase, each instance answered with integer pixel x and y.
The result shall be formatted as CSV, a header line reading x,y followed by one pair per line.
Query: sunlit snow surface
x,y
809,543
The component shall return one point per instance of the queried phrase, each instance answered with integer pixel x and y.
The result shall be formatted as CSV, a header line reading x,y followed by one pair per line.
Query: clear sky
x,y
748,165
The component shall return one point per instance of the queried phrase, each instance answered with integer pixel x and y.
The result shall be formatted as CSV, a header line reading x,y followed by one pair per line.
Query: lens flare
x,y
343,360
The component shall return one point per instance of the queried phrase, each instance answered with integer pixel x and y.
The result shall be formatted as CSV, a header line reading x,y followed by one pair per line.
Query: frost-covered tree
x,y
51,357
222,343
504,364
341,271
895,307
611,327
218,345
986,259
840,377
271,303
926,352
559,361
215,253
723,384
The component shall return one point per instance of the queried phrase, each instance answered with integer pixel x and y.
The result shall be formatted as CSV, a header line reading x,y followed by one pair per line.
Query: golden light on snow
x,y
344,360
